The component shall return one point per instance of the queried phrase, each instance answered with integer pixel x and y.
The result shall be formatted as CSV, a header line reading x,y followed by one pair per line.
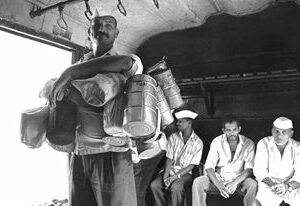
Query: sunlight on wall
x,y
28,176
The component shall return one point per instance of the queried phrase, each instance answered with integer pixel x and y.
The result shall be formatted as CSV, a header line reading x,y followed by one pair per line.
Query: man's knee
x,y
155,184
250,184
200,183
177,187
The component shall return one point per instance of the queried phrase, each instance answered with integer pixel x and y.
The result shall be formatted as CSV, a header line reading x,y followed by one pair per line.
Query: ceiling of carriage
x,y
201,38
227,44
144,18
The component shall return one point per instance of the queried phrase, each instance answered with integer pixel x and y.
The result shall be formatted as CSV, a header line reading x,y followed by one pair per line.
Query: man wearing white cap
x,y
277,166
228,166
184,151
101,174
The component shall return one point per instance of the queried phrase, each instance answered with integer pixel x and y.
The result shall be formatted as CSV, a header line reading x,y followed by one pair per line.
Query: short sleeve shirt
x,y
184,154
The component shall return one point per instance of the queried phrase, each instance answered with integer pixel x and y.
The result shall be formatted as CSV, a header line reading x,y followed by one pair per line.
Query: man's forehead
x,y
231,125
278,129
183,119
101,19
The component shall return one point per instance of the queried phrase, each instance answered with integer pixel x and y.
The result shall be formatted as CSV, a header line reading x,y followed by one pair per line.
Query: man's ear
x,y
240,128
89,33
292,133
117,33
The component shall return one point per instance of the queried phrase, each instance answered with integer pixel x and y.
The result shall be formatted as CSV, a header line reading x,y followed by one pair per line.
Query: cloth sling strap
x,y
180,154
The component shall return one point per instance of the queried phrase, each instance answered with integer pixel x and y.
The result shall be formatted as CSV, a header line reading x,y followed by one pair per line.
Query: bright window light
x,y
28,176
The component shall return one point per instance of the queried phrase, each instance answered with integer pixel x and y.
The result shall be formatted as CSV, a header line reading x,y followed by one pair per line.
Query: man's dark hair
x,y
230,119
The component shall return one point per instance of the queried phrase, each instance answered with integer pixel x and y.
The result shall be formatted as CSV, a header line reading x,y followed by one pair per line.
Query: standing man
x,y
184,151
228,166
277,166
100,174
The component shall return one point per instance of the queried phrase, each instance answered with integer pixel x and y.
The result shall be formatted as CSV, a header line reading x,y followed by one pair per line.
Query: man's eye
x,y
110,26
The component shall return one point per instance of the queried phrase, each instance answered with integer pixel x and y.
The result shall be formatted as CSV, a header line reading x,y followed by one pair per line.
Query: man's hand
x,y
268,182
231,187
279,189
59,89
223,190
169,180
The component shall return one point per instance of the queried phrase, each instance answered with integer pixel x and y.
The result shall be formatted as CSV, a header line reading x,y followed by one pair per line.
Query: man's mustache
x,y
100,33
235,136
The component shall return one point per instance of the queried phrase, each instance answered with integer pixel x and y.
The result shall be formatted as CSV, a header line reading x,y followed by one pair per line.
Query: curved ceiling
x,y
226,44
200,37
144,18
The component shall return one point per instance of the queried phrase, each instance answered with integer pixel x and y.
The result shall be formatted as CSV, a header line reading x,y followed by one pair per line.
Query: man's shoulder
x,y
265,140
218,138
197,138
247,140
295,143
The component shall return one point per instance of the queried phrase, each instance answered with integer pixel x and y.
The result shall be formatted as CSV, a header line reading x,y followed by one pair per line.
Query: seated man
x,y
277,166
184,151
228,166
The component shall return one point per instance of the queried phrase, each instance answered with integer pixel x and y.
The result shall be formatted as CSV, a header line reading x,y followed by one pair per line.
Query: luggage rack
x,y
255,82
233,78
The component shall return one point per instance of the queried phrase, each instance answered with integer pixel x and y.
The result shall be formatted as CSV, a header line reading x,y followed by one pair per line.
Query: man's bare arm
x,y
167,168
219,184
246,173
185,170
119,63
231,186
86,70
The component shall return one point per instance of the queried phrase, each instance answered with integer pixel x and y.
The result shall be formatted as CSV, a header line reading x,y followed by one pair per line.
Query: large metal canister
x,y
140,114
171,90
162,104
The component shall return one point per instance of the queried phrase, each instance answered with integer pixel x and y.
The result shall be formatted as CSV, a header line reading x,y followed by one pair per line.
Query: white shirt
x,y
184,154
270,163
219,156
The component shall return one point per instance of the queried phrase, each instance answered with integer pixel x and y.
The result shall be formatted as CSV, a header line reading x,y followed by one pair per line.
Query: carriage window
x,y
28,176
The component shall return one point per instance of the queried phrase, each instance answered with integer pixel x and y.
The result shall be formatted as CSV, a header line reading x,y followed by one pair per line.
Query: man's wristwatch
x,y
289,187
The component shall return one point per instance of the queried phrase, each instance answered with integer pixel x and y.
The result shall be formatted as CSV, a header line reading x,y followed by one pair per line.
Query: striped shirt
x,y
184,154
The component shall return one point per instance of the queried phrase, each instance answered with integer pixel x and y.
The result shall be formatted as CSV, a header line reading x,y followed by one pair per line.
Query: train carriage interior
x,y
237,57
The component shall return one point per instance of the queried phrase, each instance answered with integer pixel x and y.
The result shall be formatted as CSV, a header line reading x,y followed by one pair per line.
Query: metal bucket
x,y
113,116
148,150
162,104
171,90
140,114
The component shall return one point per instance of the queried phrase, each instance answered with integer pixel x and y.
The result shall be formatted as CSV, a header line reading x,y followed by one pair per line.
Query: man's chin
x,y
280,143
179,129
232,138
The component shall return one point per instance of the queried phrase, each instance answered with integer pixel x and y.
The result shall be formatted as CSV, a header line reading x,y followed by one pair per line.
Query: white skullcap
x,y
103,13
283,123
95,14
186,114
